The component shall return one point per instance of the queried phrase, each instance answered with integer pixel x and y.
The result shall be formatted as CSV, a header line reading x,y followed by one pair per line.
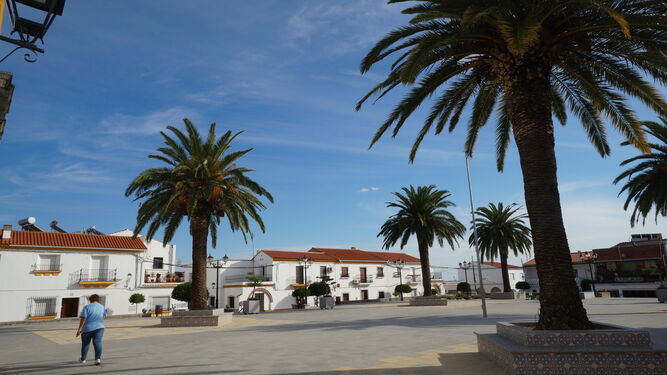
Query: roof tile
x,y
72,240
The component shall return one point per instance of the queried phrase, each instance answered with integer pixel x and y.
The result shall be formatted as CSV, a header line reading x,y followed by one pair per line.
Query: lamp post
x,y
399,264
217,265
28,32
474,230
589,257
465,266
305,262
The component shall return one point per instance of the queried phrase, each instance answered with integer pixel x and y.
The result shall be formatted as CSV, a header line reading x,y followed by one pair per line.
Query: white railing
x,y
363,280
293,280
242,279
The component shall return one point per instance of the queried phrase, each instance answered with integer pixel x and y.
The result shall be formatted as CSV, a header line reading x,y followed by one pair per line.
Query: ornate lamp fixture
x,y
27,31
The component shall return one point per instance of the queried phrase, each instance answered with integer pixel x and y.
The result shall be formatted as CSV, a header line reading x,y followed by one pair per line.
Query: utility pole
x,y
474,229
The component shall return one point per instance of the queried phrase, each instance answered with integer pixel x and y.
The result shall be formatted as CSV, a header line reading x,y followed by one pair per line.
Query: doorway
x,y
362,275
364,294
260,298
69,308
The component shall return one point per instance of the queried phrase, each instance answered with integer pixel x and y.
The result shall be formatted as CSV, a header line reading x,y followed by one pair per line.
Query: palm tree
x,y
203,183
422,212
647,181
500,229
529,60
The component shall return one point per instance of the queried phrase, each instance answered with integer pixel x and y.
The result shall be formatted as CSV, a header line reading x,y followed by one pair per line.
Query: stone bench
x,y
428,301
197,318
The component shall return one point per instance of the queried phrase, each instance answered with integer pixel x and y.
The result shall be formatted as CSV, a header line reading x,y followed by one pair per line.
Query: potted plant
x,y
146,277
321,288
180,276
661,293
301,295
251,305
463,287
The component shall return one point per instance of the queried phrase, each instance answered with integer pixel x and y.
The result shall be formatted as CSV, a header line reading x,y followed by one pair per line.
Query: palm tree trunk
x,y
199,231
503,268
426,266
529,107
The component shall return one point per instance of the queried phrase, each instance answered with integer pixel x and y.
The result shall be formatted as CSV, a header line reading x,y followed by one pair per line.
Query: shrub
x,y
463,287
301,295
522,285
136,299
183,292
319,288
403,288
434,291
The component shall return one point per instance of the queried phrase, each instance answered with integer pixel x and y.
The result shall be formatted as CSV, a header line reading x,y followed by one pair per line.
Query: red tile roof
x,y
341,255
20,239
619,252
498,265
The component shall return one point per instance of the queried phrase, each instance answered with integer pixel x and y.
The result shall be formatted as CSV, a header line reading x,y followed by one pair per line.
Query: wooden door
x,y
364,295
69,308
260,298
362,274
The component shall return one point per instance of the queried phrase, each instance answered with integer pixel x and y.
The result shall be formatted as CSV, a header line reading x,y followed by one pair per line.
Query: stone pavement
x,y
355,339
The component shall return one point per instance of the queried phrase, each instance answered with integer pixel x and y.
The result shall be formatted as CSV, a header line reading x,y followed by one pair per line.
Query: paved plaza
x,y
355,339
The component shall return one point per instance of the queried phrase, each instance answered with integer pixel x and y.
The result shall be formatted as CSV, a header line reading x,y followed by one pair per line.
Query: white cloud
x,y
150,123
61,177
572,186
366,190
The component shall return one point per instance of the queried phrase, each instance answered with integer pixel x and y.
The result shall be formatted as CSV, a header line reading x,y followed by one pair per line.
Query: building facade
x,y
633,268
355,275
492,276
49,275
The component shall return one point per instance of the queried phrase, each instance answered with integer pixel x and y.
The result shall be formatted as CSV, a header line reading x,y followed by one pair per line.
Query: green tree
x,y
301,295
500,229
183,292
647,180
463,287
522,285
255,281
402,288
319,288
529,61
203,183
422,212
135,300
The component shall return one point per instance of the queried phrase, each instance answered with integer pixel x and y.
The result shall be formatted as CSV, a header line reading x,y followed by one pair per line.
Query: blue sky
x,y
85,116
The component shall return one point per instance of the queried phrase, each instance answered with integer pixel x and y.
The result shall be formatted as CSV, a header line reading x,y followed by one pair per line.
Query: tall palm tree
x,y
203,183
529,60
422,212
647,180
501,229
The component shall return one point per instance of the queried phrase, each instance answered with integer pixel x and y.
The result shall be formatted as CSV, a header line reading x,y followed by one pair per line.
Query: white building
x,y
49,275
492,276
356,275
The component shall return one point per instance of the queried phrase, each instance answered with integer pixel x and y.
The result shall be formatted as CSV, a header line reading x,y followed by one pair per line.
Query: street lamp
x,y
305,262
465,266
217,265
28,32
589,257
474,230
399,264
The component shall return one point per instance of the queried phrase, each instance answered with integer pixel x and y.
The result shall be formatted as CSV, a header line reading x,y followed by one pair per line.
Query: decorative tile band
x,y
607,336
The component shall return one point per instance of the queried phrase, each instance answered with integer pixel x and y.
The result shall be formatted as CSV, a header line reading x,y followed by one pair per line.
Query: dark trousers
x,y
94,336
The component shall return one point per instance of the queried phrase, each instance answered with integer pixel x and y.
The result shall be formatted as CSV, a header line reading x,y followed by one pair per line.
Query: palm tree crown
x,y
500,229
203,183
591,51
422,212
647,180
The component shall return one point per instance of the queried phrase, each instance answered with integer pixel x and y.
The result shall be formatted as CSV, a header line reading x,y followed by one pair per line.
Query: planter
x,y
196,318
661,293
607,349
327,302
428,301
251,306
502,295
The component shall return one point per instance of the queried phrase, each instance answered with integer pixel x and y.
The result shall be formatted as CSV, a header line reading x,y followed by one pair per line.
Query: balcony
x,y
295,282
97,278
413,279
359,280
47,269
157,279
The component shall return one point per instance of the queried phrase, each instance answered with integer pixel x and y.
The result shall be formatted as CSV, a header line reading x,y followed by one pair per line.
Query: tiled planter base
x,y
197,318
610,350
428,301
502,295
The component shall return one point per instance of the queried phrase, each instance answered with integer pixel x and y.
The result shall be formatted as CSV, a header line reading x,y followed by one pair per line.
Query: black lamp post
x,y
465,266
590,257
399,264
217,265
305,261
27,31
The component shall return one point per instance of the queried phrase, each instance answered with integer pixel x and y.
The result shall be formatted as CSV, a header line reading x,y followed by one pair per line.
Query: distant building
x,y
49,275
492,276
627,269
356,275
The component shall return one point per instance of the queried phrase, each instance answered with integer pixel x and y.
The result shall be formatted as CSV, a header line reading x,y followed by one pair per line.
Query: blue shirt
x,y
94,314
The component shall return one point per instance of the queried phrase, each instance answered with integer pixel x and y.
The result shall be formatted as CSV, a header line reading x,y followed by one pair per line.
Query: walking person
x,y
91,328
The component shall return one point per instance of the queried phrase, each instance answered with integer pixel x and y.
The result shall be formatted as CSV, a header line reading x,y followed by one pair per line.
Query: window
x,y
164,302
511,274
49,263
42,306
344,272
299,274
380,295
323,271
380,272
230,302
346,296
158,263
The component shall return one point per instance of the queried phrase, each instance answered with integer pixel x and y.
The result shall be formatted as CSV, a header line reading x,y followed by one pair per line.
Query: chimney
x,y
353,248
6,231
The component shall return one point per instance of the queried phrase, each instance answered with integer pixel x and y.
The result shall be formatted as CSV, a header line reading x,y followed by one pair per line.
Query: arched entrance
x,y
262,293
495,289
